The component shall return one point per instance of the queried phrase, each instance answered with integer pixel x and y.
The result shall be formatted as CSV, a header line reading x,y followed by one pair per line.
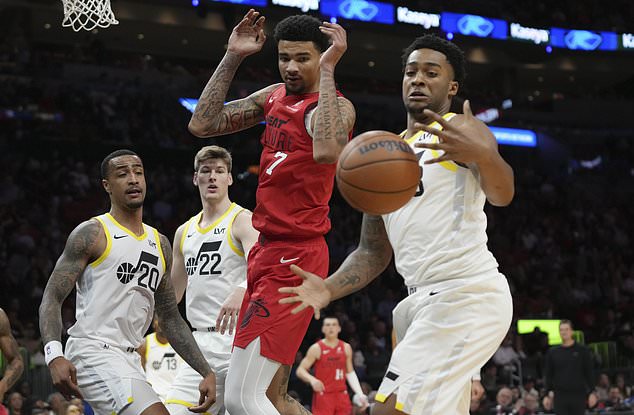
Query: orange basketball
x,y
378,172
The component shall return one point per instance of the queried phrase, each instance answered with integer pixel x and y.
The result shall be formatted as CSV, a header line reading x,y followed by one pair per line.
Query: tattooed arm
x,y
361,267
212,116
334,116
173,325
11,353
179,335
365,263
85,244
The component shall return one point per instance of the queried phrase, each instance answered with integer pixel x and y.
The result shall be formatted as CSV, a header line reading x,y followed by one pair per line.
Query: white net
x,y
87,14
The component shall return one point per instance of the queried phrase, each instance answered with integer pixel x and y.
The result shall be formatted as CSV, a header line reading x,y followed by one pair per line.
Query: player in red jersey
x,y
332,362
307,125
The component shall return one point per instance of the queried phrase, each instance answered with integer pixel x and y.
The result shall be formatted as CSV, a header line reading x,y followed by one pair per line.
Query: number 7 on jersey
x,y
280,156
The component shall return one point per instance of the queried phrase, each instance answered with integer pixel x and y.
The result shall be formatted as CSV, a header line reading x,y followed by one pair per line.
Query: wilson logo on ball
x,y
387,145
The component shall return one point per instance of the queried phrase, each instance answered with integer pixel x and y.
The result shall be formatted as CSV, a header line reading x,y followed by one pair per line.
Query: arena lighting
x,y
427,20
363,10
515,136
627,41
473,25
583,39
257,3
550,327
304,5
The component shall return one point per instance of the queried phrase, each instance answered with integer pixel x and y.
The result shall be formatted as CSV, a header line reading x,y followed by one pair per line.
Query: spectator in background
x,y
603,387
57,404
569,373
10,353
528,388
15,404
506,358
503,402
530,405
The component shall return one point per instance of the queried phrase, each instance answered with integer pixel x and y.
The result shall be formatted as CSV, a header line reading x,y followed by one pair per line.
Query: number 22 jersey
x,y
115,293
215,266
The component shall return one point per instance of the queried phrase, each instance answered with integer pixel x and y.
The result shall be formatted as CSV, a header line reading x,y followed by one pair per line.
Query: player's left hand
x,y
361,401
477,390
229,311
312,293
335,51
207,389
465,140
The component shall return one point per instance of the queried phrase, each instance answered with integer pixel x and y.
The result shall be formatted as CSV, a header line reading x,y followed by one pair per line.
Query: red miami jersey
x,y
330,368
293,190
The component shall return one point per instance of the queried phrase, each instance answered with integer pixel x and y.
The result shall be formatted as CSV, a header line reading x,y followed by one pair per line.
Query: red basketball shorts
x,y
268,269
331,403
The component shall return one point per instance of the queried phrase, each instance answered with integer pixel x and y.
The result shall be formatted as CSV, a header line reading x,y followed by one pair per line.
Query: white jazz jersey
x,y
161,365
440,234
215,266
115,293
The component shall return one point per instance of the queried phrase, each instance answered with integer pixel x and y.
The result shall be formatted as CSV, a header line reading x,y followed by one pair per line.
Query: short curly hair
x,y
301,28
454,54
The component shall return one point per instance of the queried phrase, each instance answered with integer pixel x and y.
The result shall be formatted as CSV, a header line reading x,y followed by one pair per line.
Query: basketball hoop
x,y
87,14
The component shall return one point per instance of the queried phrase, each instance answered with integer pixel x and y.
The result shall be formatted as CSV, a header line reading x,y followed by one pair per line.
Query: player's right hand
x,y
317,385
248,36
207,389
64,377
312,293
339,44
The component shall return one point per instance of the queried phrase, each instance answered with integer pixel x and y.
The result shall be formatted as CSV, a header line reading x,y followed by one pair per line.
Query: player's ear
x,y
453,88
195,179
230,179
106,186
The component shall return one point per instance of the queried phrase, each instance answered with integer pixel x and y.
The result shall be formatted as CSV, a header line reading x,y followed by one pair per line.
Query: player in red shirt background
x,y
307,125
331,359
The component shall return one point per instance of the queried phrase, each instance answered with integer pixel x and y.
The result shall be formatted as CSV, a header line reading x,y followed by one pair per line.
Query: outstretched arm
x,y
334,116
212,116
179,335
10,352
361,267
85,243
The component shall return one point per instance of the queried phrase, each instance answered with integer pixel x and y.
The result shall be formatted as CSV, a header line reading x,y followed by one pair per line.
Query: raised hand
x,y
64,377
467,140
248,36
339,44
312,293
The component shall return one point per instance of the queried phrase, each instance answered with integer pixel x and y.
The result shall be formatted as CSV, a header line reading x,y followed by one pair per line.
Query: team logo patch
x,y
256,309
125,272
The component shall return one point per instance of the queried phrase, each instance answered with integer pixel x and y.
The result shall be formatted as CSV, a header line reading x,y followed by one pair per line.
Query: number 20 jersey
x,y
215,266
115,293
293,190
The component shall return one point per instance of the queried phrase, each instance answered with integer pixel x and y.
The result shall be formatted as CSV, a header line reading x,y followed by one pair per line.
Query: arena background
x,y
68,98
